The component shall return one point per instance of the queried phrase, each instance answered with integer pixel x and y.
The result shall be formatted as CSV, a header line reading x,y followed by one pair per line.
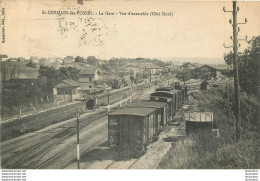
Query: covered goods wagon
x,y
130,130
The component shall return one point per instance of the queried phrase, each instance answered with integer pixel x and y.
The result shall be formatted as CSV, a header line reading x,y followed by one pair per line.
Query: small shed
x,y
198,121
205,72
66,90
204,85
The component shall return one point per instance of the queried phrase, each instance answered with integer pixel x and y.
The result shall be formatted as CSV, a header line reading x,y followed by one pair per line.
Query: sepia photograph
x,y
129,84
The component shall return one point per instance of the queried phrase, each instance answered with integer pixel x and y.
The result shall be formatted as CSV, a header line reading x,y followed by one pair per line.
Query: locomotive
x,y
131,129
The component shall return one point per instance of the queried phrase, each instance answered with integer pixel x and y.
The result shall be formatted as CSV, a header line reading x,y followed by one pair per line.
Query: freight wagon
x,y
169,97
161,112
179,96
130,130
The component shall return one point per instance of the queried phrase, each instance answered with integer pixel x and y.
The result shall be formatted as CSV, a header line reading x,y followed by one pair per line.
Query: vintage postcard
x,y
129,85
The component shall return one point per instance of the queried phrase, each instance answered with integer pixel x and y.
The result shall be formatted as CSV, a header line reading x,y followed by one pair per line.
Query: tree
x,y
248,65
31,64
3,90
79,59
49,77
69,73
92,60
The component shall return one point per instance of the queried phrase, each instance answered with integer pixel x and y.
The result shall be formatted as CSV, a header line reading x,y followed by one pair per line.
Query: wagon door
x,y
113,131
169,111
164,119
158,121
151,120
175,103
124,134
146,130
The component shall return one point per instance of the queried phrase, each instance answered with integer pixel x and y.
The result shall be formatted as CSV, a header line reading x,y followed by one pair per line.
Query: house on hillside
x,y
21,59
141,68
44,61
86,79
205,72
188,65
34,59
59,60
155,69
132,68
66,91
3,57
186,71
68,60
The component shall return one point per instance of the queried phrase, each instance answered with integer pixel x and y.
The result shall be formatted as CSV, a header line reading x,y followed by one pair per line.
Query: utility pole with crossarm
x,y
235,63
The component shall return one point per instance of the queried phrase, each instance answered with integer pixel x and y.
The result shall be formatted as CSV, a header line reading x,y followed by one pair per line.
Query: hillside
x,y
18,70
203,151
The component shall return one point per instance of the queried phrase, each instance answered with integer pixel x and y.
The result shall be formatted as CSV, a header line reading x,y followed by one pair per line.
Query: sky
x,y
196,29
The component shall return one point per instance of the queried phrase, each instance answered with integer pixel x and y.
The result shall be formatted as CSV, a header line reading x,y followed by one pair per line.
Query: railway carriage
x,y
164,96
168,102
179,97
130,130
161,113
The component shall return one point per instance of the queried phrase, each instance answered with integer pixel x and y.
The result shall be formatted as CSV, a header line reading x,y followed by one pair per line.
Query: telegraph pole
x,y
78,152
235,46
108,102
236,77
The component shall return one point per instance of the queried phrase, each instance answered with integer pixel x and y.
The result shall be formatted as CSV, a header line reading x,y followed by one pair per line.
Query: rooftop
x,y
164,93
164,89
133,111
144,65
206,66
198,116
89,71
188,65
150,104
71,82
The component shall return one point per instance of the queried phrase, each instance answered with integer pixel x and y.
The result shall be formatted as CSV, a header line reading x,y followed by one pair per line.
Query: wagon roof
x,y
133,111
164,89
151,104
167,98
164,93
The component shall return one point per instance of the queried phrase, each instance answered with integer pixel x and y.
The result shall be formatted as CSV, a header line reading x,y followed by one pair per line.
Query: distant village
x,y
62,80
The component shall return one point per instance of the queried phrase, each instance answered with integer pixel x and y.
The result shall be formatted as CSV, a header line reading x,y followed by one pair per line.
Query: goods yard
x,y
119,135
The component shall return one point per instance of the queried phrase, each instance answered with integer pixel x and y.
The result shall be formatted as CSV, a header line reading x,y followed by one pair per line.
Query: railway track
x,y
42,119
64,158
17,159
40,145
37,122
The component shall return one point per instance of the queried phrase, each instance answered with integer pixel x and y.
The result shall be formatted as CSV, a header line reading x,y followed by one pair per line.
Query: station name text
x,y
107,13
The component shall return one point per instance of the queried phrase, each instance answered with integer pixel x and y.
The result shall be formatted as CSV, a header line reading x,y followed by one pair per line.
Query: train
x,y
132,129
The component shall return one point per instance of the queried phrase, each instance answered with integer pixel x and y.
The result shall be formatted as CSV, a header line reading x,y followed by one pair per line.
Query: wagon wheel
x,y
144,150
123,154
138,153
